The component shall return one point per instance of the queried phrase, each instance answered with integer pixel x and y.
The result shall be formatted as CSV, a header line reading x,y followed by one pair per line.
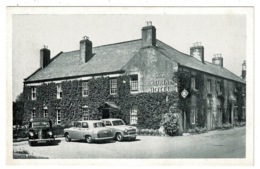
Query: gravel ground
x,y
214,144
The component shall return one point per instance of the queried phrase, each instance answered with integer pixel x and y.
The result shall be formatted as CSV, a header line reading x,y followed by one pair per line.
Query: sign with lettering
x,y
161,84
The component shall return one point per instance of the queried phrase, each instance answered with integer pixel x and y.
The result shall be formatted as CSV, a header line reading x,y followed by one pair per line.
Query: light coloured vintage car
x,y
90,130
120,129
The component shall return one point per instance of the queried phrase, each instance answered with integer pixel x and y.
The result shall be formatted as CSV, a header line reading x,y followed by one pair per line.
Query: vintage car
x,y
89,130
40,131
120,129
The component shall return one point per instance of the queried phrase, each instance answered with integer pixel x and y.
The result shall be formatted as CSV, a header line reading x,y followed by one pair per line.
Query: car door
x,y
75,133
84,130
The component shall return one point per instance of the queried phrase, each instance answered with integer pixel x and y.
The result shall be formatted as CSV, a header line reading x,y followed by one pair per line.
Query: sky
x,y
225,34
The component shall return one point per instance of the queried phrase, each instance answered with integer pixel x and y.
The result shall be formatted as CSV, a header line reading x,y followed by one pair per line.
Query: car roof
x,y
39,119
111,119
89,121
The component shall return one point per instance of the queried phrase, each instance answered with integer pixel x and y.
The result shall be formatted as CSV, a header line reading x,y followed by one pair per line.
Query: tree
x,y
18,110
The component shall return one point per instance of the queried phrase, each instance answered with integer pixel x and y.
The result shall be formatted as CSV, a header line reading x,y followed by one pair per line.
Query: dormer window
x,y
33,93
59,91
134,83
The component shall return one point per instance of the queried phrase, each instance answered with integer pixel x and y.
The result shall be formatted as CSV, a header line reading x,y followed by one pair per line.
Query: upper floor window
x,y
113,86
209,85
33,93
85,89
133,115
59,91
218,88
45,112
58,114
193,83
134,82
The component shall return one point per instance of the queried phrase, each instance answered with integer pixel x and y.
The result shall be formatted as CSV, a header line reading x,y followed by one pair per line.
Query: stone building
x,y
136,81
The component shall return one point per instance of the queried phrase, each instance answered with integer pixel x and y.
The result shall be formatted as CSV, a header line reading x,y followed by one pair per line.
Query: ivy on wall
x,y
151,106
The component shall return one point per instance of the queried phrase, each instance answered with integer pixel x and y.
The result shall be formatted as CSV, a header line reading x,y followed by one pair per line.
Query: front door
x,y
105,113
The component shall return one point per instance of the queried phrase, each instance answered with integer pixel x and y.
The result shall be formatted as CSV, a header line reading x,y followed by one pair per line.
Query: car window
x,y
77,124
84,125
98,124
118,123
41,124
108,123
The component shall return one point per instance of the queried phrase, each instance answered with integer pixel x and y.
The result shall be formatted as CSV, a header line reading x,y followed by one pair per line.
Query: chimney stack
x,y
149,35
45,56
197,51
218,60
244,70
85,49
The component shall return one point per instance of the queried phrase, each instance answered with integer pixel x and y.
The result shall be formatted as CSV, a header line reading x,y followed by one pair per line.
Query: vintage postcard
x,y
130,85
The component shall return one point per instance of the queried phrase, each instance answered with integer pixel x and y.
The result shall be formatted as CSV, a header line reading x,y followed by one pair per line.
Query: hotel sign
x,y
184,93
161,84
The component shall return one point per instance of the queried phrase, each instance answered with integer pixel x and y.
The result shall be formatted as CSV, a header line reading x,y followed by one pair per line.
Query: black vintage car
x,y
40,131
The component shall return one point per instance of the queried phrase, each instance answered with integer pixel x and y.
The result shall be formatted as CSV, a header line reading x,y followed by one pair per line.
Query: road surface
x,y
214,144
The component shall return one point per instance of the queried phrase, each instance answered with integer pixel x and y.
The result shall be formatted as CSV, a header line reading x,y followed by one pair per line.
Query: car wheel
x,y
119,137
67,138
133,139
31,143
88,139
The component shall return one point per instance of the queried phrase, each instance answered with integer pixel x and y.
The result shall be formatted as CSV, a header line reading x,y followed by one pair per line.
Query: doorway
x,y
105,114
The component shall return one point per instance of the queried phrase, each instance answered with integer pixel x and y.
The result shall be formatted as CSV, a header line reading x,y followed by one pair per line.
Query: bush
x,y
58,130
198,130
20,133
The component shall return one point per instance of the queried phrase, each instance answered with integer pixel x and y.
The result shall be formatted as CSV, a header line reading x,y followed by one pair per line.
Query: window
x,y
134,82
218,88
33,114
108,123
33,93
193,115
45,113
84,125
133,115
59,91
86,115
85,89
193,83
58,116
209,85
113,86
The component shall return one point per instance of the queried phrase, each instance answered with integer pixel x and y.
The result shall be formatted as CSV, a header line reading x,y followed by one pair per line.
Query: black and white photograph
x,y
131,83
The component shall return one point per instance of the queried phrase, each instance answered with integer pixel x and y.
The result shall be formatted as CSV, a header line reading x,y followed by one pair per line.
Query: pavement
x,y
214,144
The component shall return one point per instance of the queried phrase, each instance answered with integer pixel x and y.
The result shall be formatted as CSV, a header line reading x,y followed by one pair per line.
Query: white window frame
x,y
218,86
59,91
33,114
193,83
133,115
33,93
113,86
85,88
45,113
58,116
209,85
193,113
134,83
86,114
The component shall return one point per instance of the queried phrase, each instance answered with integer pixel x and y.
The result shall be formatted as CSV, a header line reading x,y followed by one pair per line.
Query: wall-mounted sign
x,y
161,84
184,93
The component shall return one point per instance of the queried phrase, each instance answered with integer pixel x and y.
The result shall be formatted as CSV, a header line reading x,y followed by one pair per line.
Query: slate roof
x,y
113,57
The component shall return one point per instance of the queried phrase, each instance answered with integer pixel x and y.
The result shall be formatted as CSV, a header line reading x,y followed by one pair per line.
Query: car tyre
x,y
119,137
88,139
31,143
67,138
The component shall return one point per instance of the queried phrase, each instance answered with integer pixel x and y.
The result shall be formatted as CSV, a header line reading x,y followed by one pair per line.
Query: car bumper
x,y
105,138
42,140
130,136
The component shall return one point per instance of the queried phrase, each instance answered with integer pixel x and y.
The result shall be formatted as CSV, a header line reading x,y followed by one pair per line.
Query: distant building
x,y
134,80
